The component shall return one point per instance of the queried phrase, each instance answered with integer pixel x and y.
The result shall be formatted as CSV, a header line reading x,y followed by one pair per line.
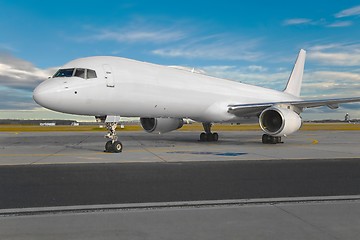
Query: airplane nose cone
x,y
40,95
46,95
37,95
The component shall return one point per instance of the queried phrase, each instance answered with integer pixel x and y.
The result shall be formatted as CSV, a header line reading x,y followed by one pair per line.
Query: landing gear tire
x,y
215,137
117,147
113,147
209,137
203,137
267,139
108,146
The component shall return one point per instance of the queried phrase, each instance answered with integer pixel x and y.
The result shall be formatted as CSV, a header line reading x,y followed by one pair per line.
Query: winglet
x,y
293,86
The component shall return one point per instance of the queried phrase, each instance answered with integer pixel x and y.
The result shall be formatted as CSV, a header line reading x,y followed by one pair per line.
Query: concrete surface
x,y
87,147
329,220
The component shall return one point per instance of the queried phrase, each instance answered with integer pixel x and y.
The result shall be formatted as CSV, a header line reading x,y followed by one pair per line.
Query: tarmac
x,y
88,147
296,221
308,215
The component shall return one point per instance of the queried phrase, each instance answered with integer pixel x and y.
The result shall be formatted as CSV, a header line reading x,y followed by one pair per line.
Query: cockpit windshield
x,y
64,72
76,72
80,72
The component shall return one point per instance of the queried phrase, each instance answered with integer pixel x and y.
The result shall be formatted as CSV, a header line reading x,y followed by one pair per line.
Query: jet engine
x,y
161,125
276,121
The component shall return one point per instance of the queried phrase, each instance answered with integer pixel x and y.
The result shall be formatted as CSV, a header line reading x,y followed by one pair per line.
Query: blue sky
x,y
254,42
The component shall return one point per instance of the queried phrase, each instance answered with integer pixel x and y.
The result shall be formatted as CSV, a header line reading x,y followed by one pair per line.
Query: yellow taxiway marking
x,y
314,141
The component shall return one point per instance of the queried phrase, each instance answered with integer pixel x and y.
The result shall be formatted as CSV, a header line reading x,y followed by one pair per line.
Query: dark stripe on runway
x,y
87,184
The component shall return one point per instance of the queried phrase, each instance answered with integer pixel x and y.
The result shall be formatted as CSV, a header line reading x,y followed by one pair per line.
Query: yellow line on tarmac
x,y
314,141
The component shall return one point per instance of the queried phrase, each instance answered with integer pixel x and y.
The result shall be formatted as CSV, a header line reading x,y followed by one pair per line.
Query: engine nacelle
x,y
278,122
161,125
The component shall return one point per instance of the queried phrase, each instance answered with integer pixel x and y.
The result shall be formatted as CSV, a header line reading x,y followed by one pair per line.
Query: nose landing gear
x,y
113,145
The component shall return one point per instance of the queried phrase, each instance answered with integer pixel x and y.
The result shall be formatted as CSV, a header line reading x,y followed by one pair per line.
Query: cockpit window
x,y
80,72
91,74
64,72
76,72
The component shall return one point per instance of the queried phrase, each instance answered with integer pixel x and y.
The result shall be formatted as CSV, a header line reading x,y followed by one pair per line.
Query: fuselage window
x,y
64,72
91,74
80,72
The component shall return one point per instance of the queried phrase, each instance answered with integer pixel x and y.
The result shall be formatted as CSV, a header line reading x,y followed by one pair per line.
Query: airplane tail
x,y
293,85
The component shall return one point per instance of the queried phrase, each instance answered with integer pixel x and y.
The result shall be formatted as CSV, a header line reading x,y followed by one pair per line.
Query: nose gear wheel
x,y
113,145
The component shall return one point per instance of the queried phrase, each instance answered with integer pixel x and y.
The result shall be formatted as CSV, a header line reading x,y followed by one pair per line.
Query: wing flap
x,y
331,103
247,110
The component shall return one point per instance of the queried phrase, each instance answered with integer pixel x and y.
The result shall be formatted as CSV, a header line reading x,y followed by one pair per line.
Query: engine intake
x,y
277,121
161,125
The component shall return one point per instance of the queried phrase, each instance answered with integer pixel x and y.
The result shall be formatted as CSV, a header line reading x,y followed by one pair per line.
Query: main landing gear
x,y
267,139
113,145
208,136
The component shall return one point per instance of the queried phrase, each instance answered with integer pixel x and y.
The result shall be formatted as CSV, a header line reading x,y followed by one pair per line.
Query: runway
x,y
173,186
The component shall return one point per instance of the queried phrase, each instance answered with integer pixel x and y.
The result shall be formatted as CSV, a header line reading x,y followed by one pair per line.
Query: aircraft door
x,y
108,76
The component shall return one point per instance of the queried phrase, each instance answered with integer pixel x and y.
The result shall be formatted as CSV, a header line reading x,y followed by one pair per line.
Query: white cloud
x,y
336,54
139,35
324,47
337,59
354,11
17,80
333,75
216,47
324,22
274,80
296,21
340,24
136,31
331,84
256,68
12,98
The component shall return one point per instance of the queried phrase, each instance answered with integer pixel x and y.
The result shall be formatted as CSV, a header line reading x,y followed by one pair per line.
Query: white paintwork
x,y
108,76
294,83
130,88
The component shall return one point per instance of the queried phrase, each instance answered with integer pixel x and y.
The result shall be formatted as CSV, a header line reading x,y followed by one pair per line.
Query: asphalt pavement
x,y
27,186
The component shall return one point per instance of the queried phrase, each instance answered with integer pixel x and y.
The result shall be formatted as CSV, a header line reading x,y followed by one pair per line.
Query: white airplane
x,y
110,87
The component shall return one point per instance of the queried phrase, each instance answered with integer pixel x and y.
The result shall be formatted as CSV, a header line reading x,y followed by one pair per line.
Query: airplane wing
x,y
247,110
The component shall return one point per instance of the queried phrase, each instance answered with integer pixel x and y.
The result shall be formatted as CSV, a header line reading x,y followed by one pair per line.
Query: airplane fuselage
x,y
131,88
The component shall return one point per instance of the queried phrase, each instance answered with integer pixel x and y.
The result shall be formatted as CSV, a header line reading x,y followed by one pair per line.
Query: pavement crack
x,y
47,156
59,151
319,229
147,150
